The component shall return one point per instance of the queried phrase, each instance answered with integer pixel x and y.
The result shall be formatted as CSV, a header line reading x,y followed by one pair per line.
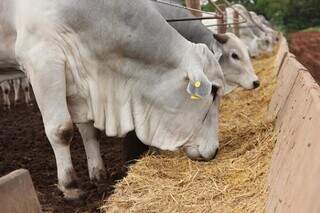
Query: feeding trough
x,y
264,151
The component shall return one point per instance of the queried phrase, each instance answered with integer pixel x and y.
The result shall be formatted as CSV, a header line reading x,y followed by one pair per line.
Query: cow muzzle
x,y
256,84
195,154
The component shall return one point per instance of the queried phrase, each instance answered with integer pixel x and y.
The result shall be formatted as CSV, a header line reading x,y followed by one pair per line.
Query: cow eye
x,y
235,56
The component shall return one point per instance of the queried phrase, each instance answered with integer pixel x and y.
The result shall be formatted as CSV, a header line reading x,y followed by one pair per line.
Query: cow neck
x,y
193,31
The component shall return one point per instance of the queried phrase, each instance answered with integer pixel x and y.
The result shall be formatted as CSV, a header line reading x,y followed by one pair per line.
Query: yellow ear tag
x,y
195,97
197,84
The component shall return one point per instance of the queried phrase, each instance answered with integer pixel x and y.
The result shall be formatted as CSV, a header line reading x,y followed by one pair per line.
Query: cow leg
x,y
6,98
4,101
8,101
47,77
91,144
50,94
26,90
27,95
16,87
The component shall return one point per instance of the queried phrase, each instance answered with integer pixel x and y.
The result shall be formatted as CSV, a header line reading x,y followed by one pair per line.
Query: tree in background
x,y
302,14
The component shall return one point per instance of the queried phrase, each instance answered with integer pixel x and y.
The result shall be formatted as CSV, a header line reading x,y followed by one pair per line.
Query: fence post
x,y
194,4
223,28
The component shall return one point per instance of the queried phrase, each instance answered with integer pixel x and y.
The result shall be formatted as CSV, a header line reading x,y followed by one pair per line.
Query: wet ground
x,y
23,144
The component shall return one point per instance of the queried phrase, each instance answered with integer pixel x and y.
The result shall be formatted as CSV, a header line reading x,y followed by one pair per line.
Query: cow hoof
x,y
98,175
73,194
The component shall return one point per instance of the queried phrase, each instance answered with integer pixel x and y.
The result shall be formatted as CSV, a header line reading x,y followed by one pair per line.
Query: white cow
x,y
236,65
264,39
246,36
265,25
231,52
5,87
114,65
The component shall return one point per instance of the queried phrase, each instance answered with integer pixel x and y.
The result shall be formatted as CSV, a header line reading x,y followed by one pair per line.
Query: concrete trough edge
x,y
17,193
295,170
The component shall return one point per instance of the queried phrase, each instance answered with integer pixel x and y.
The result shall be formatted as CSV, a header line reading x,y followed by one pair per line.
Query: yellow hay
x,y
233,182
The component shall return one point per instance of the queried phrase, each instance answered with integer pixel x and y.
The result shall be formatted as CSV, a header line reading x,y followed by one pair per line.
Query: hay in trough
x,y
233,182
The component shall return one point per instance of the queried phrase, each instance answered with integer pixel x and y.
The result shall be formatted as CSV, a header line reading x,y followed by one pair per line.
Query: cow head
x,y
206,86
183,106
251,41
235,62
273,34
265,43
267,27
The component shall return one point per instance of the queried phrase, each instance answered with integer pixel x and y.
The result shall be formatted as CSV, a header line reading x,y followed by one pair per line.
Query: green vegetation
x,y
208,7
288,15
312,29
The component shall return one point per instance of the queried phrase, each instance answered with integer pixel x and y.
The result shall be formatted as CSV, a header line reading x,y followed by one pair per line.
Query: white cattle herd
x,y
18,85
118,66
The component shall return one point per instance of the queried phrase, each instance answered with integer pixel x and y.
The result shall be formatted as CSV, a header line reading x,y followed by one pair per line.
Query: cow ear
x,y
216,48
221,38
199,85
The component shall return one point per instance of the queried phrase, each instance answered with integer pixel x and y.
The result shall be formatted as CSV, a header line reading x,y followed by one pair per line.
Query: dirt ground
x,y
306,47
23,144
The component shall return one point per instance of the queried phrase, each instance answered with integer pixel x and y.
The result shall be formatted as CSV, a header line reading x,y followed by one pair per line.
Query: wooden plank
x,y
294,175
17,193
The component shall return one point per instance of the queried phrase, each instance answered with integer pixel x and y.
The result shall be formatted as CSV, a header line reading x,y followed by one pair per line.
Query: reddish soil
x,y
23,144
306,47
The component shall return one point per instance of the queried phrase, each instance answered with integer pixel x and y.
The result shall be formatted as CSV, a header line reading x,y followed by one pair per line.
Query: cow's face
x,y
251,41
205,87
274,35
180,111
204,143
235,62
265,43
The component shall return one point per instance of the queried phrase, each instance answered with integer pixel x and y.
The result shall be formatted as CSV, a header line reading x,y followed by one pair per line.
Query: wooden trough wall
x,y
17,193
294,177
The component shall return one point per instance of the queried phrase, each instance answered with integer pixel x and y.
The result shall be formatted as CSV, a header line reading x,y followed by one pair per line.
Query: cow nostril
x,y
256,84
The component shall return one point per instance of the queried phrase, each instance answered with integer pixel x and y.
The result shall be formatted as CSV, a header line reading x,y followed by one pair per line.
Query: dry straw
x,y
234,182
